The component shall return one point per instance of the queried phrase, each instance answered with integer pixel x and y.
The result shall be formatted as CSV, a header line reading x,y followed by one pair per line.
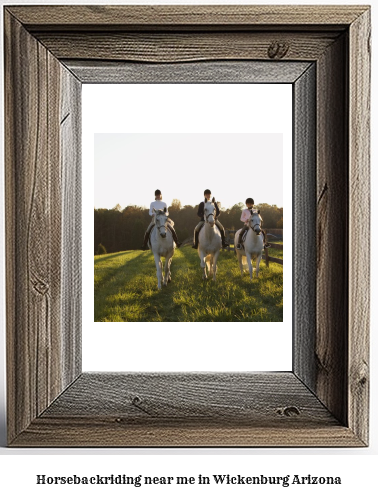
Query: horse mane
x,y
161,212
256,213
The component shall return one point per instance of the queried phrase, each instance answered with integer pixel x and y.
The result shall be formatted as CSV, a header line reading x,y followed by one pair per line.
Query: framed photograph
x,y
323,52
183,138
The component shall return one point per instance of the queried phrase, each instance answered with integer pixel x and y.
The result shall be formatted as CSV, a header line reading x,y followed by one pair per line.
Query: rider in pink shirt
x,y
245,216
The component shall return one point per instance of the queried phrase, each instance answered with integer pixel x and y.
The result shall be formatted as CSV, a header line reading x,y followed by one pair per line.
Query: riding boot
x,y
241,234
224,243
221,229
195,244
266,244
174,235
146,237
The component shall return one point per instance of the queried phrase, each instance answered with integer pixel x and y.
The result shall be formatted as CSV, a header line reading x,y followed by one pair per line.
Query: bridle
x,y
209,215
206,217
253,227
162,225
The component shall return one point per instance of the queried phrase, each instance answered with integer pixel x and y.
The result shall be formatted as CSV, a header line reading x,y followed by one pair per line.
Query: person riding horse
x,y
245,216
201,214
158,204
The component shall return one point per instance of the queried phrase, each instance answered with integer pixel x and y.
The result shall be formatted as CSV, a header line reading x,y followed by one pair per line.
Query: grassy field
x,y
125,286
276,252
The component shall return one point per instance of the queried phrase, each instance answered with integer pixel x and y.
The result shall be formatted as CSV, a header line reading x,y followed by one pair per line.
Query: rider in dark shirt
x,y
201,214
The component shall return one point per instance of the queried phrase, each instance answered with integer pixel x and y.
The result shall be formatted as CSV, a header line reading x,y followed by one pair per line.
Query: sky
x,y
130,167
234,139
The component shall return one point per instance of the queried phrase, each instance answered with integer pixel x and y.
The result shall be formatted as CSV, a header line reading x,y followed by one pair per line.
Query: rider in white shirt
x,y
159,204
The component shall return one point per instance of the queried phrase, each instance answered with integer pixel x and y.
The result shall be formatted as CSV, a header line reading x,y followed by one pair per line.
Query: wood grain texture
x,y
31,242
304,227
359,210
180,47
70,161
323,402
332,230
242,397
193,409
97,432
184,16
33,227
201,72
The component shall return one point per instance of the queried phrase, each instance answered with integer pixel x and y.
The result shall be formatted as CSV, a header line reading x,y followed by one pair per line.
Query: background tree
x,y
123,229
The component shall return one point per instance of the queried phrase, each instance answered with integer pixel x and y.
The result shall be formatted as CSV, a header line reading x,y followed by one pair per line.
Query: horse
x,y
162,245
209,241
253,245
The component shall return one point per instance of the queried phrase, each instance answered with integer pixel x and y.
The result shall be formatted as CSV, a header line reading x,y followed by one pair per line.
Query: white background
x,y
252,113
357,467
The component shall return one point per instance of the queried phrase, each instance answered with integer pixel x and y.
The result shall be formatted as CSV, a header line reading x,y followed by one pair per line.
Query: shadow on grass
x,y
111,256
107,274
130,293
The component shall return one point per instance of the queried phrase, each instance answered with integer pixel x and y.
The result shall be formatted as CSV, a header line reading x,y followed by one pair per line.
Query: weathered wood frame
x,y
324,400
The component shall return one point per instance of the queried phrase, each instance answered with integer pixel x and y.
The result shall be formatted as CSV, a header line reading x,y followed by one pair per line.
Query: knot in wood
x,y
139,403
288,411
277,50
136,400
41,287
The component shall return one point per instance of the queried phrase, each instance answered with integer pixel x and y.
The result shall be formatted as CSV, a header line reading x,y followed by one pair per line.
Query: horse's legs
x,y
240,259
215,260
211,265
202,257
165,275
167,272
258,265
159,266
169,279
250,265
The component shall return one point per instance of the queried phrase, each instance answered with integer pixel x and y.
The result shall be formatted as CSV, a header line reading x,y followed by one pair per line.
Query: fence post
x,y
266,257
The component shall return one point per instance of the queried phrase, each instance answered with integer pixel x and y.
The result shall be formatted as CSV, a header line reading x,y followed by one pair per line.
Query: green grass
x,y
276,252
125,286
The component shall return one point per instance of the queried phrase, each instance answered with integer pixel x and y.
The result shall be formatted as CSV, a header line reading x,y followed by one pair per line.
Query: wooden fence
x,y
230,235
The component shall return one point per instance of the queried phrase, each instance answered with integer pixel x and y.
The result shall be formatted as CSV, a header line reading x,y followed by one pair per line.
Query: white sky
x,y
130,167
185,138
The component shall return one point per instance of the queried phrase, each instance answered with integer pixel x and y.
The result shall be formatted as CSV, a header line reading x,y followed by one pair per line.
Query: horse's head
x,y
209,213
160,219
255,221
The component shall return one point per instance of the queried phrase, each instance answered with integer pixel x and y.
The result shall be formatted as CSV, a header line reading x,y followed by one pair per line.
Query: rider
x,y
245,216
158,204
201,214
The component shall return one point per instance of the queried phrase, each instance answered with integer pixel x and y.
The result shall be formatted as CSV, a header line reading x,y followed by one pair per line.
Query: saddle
x,y
243,239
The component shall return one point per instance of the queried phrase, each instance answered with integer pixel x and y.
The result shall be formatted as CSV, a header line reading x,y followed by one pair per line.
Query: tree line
x,y
120,229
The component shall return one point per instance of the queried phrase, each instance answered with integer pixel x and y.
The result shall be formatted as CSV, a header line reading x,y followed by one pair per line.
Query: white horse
x,y
162,245
253,245
209,241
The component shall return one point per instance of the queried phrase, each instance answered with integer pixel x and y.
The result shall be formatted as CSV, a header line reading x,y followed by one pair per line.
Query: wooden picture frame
x,y
49,52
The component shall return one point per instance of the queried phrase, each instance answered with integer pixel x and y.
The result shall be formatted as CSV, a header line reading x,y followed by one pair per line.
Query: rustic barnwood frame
x,y
324,400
